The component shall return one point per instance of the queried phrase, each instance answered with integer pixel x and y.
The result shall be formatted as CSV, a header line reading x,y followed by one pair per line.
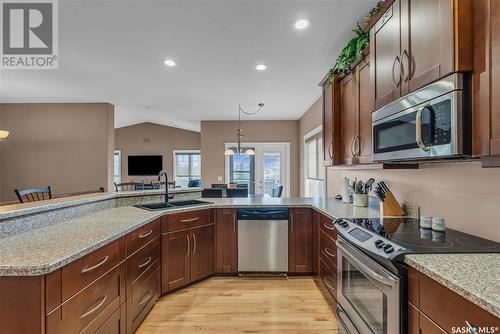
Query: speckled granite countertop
x,y
475,277
46,249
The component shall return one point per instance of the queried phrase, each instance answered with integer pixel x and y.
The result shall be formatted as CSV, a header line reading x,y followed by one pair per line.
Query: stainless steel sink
x,y
171,205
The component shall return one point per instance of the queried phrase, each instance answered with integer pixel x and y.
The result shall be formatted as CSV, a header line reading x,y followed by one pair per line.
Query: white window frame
x,y
306,137
117,178
174,167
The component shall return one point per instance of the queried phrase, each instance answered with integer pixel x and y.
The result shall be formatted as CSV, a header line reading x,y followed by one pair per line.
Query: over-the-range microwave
x,y
433,122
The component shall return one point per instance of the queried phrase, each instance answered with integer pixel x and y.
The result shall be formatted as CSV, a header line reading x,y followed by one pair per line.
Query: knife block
x,y
390,206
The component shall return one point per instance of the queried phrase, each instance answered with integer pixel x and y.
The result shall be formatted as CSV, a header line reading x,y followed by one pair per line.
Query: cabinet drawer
x,y
90,308
328,278
326,225
140,237
80,273
142,299
185,220
328,250
142,260
115,323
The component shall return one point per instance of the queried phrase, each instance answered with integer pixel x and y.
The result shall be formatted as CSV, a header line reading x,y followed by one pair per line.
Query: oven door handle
x,y
380,277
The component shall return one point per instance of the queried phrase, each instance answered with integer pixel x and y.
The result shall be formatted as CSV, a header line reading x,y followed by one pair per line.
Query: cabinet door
x,y
348,118
226,241
300,241
431,26
385,56
331,122
176,249
316,219
202,253
366,106
495,78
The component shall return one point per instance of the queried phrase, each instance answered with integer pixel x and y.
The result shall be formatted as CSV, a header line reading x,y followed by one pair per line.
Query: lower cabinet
x,y
143,298
187,254
300,241
226,227
327,257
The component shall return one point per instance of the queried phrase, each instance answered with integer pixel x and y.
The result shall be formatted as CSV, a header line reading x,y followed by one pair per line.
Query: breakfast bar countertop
x,y
476,277
43,250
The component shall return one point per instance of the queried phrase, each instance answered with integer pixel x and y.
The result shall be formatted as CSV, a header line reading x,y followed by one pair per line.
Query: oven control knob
x,y
345,224
379,243
388,249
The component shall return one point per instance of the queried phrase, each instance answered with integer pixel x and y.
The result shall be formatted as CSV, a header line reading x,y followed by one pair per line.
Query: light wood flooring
x,y
243,305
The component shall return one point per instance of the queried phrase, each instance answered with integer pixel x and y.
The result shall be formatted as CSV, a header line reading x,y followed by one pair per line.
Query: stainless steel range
x,y
371,274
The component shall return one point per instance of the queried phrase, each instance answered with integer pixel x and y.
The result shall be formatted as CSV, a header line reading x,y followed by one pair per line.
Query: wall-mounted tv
x,y
141,165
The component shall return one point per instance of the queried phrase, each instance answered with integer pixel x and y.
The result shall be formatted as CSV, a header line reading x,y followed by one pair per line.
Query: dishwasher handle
x,y
263,214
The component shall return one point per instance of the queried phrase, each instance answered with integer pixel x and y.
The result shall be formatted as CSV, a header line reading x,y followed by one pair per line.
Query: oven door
x,y
369,295
428,130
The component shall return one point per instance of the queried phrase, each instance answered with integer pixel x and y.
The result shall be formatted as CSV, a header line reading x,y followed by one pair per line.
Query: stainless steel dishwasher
x,y
263,240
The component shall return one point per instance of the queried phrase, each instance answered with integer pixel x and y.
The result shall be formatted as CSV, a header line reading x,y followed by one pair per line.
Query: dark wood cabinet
x,y
417,42
300,241
226,241
187,248
316,220
331,121
486,81
202,255
366,105
348,118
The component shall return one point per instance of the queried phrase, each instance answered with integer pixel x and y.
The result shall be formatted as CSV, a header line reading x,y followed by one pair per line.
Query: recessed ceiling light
x,y
260,67
301,24
169,62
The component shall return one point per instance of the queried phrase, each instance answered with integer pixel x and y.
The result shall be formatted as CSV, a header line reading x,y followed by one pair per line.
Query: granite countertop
x,y
15,210
476,277
43,250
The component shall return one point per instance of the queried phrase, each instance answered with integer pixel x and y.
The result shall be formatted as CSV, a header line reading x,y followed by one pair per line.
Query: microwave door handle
x,y
418,129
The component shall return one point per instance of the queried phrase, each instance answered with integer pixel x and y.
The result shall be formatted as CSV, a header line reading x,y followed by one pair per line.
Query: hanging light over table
x,y
239,134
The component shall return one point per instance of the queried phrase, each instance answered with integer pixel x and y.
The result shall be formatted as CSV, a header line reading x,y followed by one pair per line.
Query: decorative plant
x,y
353,51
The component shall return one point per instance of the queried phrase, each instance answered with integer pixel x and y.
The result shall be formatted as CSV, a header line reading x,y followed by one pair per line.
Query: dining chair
x,y
219,185
238,192
212,193
194,183
33,194
129,186
277,191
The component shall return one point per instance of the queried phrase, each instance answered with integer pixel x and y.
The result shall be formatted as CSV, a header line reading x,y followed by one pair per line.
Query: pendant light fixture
x,y
3,135
239,134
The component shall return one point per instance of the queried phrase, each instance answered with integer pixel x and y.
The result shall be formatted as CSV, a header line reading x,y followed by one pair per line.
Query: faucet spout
x,y
164,173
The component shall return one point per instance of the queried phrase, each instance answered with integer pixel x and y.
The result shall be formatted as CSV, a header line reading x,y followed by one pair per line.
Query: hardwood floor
x,y
243,305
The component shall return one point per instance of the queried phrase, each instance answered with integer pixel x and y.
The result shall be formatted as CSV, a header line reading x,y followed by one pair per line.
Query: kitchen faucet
x,y
163,172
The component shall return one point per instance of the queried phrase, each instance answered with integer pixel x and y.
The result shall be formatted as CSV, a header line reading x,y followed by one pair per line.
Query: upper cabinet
x,y
331,121
486,80
417,42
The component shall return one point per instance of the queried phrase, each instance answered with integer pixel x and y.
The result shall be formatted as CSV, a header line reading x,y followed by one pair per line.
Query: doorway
x,y
262,172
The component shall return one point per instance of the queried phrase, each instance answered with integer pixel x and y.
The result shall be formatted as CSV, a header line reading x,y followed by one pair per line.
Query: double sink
x,y
171,205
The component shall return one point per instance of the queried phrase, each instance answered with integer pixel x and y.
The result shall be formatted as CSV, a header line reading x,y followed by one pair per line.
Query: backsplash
x,y
465,194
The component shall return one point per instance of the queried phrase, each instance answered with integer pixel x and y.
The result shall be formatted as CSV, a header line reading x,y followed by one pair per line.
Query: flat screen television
x,y
141,165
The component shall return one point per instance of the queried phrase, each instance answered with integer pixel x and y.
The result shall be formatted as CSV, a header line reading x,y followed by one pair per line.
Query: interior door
x,y
202,252
270,162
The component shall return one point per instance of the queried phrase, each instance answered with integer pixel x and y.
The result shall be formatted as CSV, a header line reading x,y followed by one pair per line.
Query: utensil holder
x,y
360,200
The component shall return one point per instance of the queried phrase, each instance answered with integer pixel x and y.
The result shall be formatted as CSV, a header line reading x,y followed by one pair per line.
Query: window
x,y
315,172
187,167
118,166
242,170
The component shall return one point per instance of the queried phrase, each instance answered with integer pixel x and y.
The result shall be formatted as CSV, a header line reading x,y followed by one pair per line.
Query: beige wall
x,y
465,194
149,138
66,146
308,122
215,133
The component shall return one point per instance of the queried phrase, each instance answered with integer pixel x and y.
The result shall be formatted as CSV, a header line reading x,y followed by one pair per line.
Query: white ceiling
x,y
113,51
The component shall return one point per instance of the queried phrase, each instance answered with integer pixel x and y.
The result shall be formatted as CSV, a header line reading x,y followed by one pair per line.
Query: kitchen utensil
x,y
425,222
368,185
384,187
359,187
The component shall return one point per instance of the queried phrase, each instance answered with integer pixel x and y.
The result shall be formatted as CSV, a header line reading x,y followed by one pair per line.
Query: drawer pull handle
x,y
145,263
146,234
329,226
95,308
87,269
329,252
328,285
146,297
190,220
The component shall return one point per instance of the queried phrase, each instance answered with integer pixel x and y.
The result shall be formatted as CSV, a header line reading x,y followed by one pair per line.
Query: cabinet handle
x,y
329,252
291,223
330,148
398,82
87,269
145,234
328,226
406,76
190,220
357,145
194,243
145,263
352,142
146,297
234,223
100,302
331,287
188,244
